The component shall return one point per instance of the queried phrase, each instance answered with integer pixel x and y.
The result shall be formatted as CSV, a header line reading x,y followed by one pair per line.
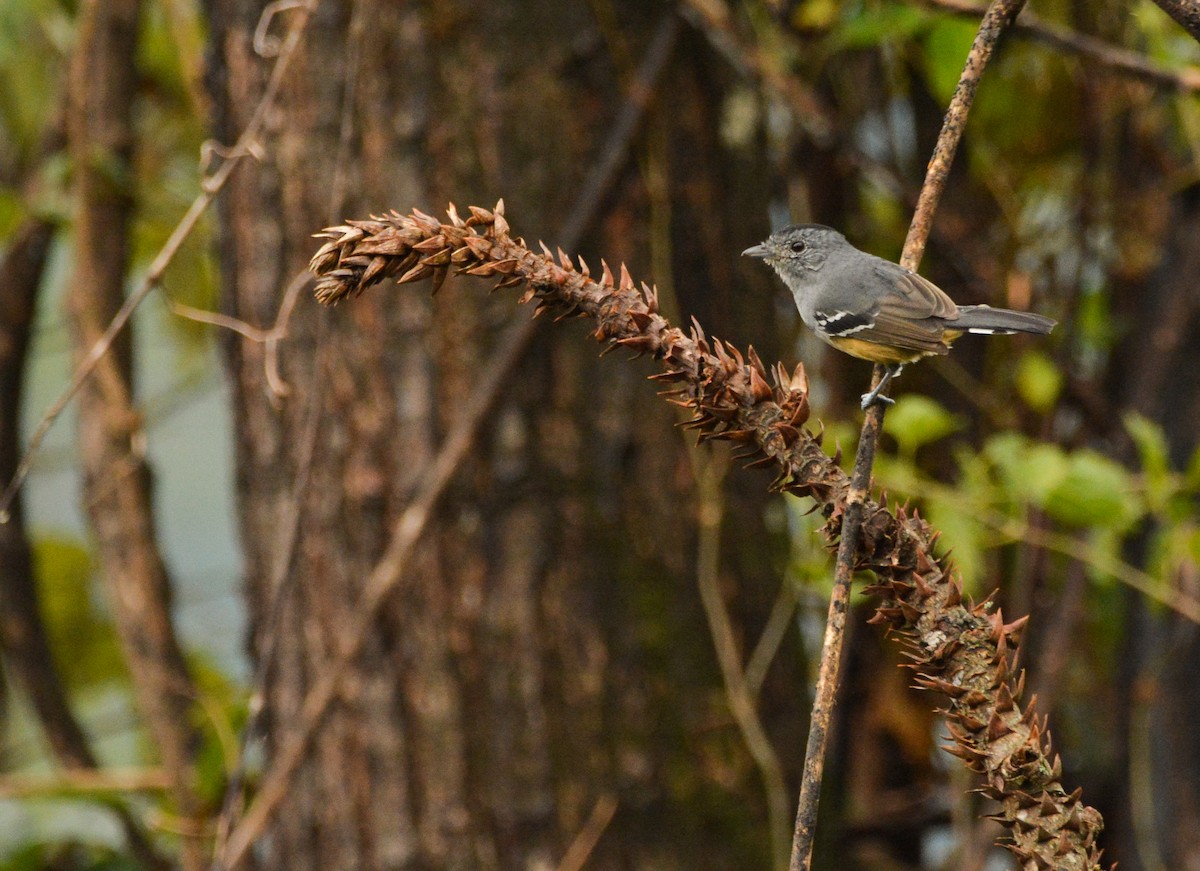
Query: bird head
x,y
799,251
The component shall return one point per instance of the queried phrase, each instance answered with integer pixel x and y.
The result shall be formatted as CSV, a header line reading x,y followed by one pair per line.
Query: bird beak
x,y
759,251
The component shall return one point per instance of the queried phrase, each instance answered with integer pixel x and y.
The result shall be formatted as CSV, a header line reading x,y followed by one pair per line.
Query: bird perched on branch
x,y
874,309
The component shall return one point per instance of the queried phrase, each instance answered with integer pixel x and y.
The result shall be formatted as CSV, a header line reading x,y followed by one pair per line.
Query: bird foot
x,y
873,398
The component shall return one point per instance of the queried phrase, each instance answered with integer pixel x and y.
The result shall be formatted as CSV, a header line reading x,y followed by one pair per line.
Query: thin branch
x,y
741,699
23,631
999,15
116,481
411,524
776,627
209,189
270,338
84,783
1186,14
589,835
1119,60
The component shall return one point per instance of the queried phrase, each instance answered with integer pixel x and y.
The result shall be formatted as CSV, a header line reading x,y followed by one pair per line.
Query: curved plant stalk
x,y
964,651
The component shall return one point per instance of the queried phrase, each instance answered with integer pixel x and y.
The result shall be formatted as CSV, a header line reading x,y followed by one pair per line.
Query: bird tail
x,y
992,321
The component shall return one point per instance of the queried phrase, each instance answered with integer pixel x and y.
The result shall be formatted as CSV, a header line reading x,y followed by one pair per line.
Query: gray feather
x,y
988,320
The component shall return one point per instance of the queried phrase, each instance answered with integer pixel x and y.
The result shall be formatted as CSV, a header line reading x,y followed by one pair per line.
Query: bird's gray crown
x,y
798,248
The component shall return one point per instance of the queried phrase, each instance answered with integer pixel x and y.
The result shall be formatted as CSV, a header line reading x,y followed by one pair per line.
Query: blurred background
x,y
601,650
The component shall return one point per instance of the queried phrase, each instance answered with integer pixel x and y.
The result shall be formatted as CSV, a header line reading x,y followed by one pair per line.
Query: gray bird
x,y
872,308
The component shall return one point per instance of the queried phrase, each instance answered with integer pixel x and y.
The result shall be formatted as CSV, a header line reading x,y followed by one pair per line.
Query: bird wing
x,y
908,313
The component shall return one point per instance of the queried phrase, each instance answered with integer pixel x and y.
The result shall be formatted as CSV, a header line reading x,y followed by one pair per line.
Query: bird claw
x,y
873,398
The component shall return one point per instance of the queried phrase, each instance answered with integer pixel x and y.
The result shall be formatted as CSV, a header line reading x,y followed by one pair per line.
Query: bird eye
x,y
798,247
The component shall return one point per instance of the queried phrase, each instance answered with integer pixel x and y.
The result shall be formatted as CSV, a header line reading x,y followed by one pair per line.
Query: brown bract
x,y
966,652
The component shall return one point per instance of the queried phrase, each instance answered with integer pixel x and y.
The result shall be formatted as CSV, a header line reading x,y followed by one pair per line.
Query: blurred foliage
x,y
82,635
999,489
67,856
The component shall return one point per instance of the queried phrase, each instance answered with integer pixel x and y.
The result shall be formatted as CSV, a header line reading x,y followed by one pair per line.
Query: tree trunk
x,y
111,441
549,618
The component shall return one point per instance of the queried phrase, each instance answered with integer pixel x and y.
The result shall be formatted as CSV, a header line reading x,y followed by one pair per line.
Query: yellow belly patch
x,y
876,353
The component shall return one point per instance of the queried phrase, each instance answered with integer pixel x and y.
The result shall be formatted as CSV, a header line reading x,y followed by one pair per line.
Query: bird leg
x,y
869,399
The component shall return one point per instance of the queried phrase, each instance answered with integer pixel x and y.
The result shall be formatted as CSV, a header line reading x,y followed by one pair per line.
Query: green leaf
x,y
1095,491
1029,471
889,24
84,641
1150,442
946,47
917,420
1154,455
1039,380
962,536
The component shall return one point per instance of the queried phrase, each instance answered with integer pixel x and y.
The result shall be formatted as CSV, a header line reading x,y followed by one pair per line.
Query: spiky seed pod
x,y
963,650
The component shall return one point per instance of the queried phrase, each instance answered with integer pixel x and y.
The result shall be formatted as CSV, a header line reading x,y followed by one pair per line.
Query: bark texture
x,y
117,481
548,619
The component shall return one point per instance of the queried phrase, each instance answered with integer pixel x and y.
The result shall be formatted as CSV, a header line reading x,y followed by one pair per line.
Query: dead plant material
x,y
964,651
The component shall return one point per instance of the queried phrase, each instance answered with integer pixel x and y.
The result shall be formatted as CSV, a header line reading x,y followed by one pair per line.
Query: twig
x,y
714,18
1186,14
209,188
772,636
412,522
84,782
999,15
270,338
709,476
589,835
1118,59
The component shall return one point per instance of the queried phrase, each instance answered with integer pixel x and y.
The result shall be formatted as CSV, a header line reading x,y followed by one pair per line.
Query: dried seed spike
x,y
641,320
799,379
996,727
606,276
1004,698
378,264
427,222
441,257
455,220
651,294
760,391
626,279
546,252
756,362
954,595
565,261
415,274
499,225
583,268
1030,714
1015,626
